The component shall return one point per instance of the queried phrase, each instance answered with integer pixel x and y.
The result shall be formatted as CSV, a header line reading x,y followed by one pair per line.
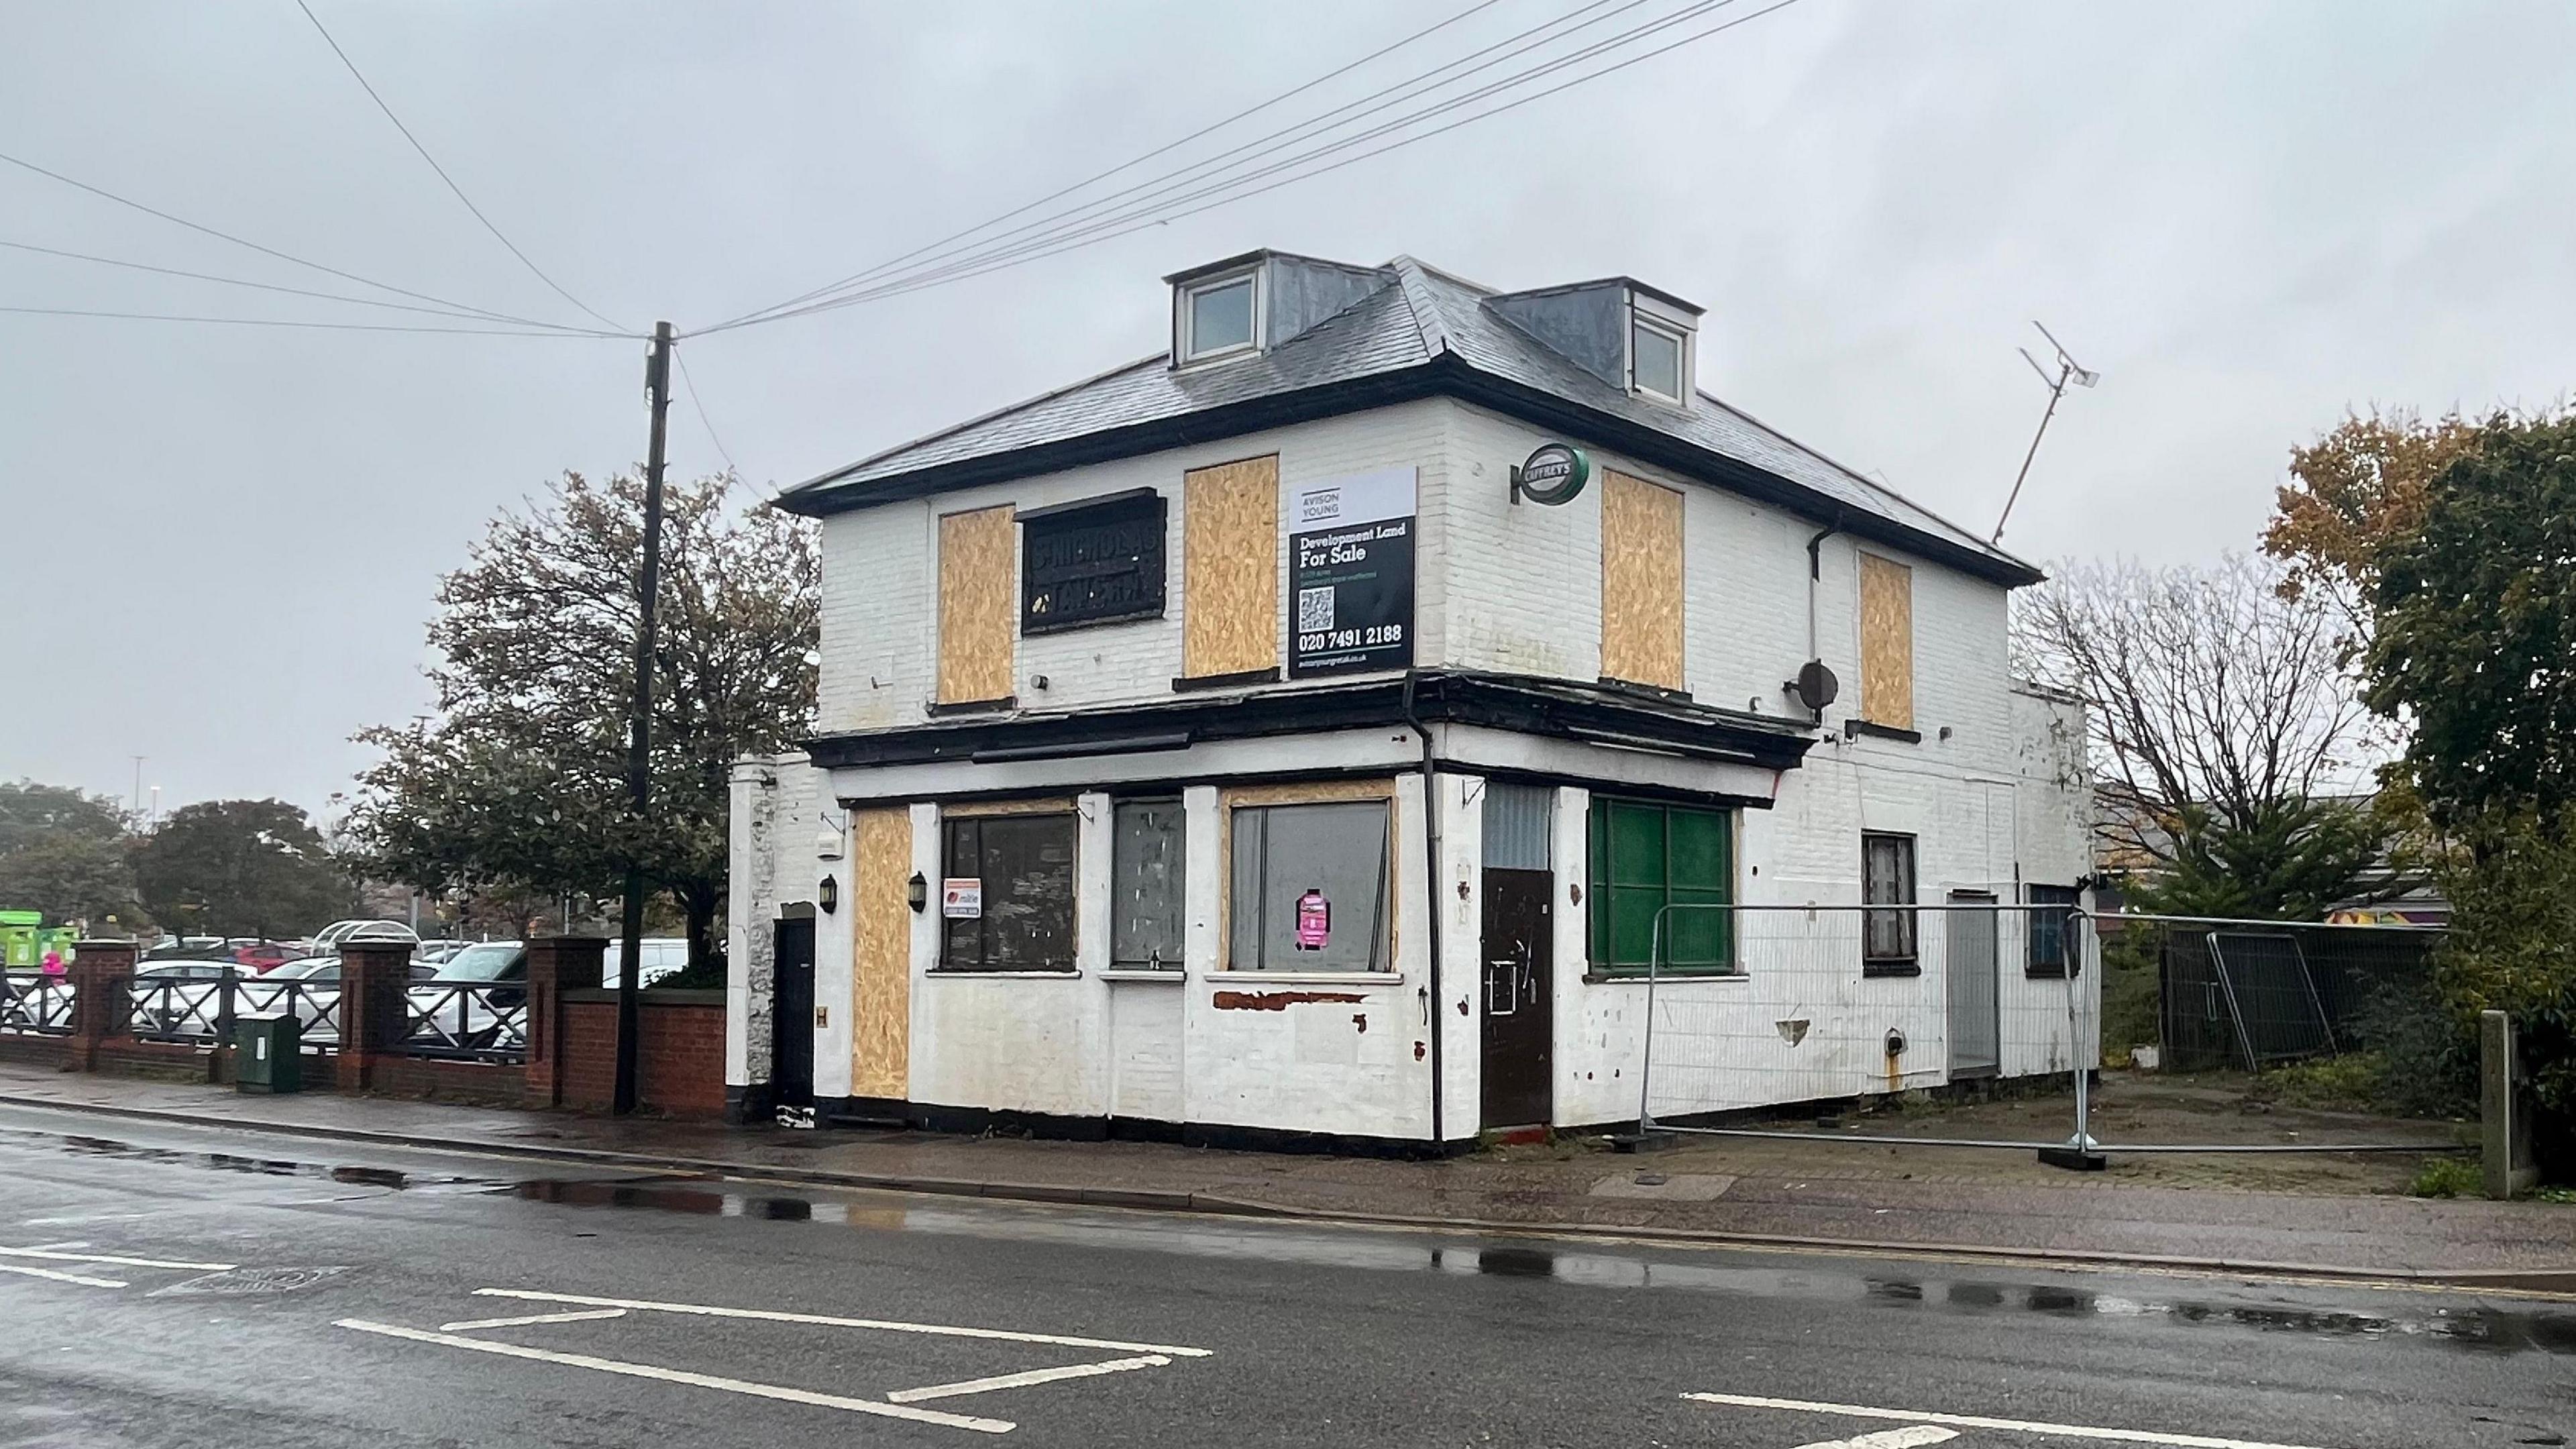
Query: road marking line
x,y
1907,1438
1978,1421
580,1317
682,1376
62,1277
52,1256
1022,1380
828,1321
78,1218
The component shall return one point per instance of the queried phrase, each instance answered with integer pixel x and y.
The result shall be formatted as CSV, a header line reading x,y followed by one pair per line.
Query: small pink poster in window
x,y
1314,921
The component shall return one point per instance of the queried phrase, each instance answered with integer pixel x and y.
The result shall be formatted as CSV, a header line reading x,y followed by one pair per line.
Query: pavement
x,y
165,1283
2336,1219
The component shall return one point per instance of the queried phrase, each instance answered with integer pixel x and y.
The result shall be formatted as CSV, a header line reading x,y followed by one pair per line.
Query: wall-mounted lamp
x,y
916,891
828,895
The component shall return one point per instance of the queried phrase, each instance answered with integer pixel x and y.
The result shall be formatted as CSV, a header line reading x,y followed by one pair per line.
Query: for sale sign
x,y
1351,574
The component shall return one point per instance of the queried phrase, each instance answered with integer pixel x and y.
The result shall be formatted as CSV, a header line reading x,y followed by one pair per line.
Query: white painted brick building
x,y
1128,812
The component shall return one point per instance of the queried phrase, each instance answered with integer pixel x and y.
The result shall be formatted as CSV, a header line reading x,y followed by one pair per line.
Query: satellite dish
x,y
1815,686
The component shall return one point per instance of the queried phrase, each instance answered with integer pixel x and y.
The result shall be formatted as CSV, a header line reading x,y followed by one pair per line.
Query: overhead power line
x,y
699,403
152,211
363,84
1074,232
324,326
1133,161
242,282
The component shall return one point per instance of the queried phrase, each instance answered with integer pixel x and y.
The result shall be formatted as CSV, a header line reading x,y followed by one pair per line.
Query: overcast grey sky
x,y
221,542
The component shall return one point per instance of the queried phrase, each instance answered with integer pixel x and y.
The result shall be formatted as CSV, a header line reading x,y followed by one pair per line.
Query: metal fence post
x,y
1646,1064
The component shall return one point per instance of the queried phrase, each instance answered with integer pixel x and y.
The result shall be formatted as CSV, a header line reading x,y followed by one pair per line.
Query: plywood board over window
x,y
881,935
1641,582
1886,642
978,596
1230,568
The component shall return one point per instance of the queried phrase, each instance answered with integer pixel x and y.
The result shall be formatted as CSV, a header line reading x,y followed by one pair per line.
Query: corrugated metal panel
x,y
1518,821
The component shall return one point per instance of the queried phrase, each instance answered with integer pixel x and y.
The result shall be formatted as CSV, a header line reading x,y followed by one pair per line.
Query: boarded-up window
x,y
1230,568
1145,886
1310,888
1021,918
978,588
881,963
1886,642
1641,582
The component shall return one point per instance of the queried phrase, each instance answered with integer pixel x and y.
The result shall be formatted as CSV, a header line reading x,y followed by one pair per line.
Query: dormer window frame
x,y
1185,350
1641,320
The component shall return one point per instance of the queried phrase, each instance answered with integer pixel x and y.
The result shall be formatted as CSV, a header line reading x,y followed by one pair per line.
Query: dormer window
x,y
1657,359
1219,317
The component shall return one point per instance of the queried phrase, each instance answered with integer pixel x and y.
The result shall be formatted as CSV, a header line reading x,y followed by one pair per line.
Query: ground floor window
x,y
1145,885
1006,893
1646,857
1887,879
2052,928
1310,887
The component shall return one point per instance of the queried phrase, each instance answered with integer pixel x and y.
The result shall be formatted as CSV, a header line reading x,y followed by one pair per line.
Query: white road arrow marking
x,y
61,1277
583,1316
1911,1437
52,1256
1979,1421
1022,1380
682,1376
886,1325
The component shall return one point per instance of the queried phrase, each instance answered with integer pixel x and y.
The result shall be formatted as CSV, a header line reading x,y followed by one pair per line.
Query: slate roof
x,y
1427,333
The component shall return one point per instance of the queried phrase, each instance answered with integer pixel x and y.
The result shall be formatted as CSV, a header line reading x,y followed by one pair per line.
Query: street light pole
x,y
639,755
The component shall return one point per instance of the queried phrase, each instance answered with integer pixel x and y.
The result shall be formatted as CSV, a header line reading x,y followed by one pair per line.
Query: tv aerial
x,y
2069,372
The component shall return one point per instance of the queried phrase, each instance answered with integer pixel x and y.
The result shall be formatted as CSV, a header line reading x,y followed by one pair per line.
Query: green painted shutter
x,y
1703,874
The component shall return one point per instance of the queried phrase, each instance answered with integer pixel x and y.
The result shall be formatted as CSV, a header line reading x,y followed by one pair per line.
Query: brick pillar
x,y
556,964
374,1016
99,972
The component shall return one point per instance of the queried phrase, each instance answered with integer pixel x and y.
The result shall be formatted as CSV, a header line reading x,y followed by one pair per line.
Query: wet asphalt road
x,y
1304,1335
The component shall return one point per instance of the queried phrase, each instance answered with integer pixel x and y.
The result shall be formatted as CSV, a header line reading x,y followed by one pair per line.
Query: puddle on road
x,y
2483,1329
354,1175
2467,1328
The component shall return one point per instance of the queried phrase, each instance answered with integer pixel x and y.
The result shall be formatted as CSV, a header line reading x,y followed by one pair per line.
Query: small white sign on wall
x,y
961,898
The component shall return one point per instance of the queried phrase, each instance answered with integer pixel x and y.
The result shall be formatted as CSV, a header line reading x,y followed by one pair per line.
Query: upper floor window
x,y
1656,355
1219,316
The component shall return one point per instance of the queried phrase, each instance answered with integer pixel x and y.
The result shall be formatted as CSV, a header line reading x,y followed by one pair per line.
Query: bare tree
x,y
2217,698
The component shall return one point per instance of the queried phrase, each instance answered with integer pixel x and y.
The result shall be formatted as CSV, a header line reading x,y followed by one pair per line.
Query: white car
x,y
663,956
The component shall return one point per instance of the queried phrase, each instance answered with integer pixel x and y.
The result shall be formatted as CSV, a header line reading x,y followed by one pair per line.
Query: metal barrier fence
x,y
1778,1004
195,1011
35,1004
1786,1003
2249,994
468,1021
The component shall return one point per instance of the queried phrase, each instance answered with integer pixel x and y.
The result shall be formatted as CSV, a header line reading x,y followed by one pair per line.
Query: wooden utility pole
x,y
639,754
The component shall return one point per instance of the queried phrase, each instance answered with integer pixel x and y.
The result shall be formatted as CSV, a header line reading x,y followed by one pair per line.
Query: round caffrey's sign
x,y
1554,473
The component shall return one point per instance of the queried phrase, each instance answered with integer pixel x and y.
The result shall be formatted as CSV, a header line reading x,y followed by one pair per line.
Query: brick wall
x,y
679,1064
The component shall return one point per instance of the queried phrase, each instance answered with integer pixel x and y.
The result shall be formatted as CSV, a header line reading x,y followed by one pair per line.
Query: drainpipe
x,y
1431,876
1816,572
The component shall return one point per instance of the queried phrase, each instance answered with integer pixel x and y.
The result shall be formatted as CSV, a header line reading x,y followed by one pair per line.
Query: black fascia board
x,y
1444,375
1513,703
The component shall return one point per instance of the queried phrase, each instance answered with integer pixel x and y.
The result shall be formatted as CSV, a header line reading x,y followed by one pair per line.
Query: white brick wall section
x,y
880,571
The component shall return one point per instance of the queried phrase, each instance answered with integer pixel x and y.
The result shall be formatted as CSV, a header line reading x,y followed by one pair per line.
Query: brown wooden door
x,y
1519,1006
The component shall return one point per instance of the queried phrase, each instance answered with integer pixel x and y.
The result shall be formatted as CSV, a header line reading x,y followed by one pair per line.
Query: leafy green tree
x,y
520,784
2475,632
242,868
2288,859
30,812
71,877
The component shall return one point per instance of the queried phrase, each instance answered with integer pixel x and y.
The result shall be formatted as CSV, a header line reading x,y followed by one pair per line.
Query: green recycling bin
x,y
268,1053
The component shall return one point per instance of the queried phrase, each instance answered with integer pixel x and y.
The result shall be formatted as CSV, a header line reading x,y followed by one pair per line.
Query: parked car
x,y
264,956
434,951
663,956
181,997
467,1003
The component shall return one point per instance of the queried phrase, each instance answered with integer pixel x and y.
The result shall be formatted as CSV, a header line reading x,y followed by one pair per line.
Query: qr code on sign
x,y
1315,609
